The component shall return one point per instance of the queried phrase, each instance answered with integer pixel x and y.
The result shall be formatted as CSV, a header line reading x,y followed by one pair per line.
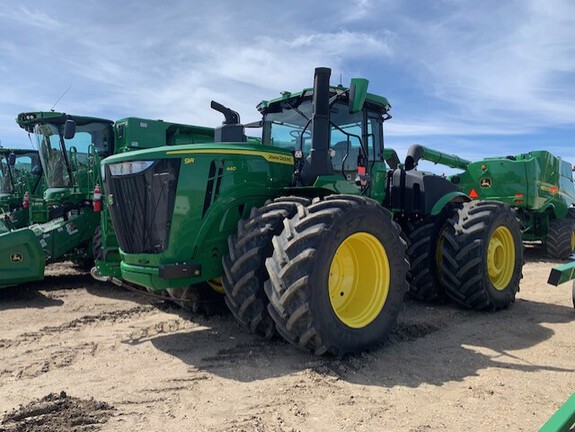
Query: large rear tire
x,y
424,243
337,275
244,266
560,242
482,256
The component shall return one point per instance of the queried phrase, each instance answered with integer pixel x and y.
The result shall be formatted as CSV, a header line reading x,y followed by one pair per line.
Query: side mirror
x,y
357,94
12,159
69,129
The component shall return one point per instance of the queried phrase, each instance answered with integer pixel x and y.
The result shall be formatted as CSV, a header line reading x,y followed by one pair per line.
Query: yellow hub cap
x,y
501,258
359,279
216,285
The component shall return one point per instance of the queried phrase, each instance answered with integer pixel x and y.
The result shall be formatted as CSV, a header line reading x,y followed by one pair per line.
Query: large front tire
x,y
482,256
244,266
337,276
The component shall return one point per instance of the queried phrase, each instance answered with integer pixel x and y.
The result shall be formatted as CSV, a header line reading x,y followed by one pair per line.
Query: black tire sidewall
x,y
505,219
333,330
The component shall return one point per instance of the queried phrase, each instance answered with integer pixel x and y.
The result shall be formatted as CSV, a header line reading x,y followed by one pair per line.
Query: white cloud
x,y
511,64
24,15
450,68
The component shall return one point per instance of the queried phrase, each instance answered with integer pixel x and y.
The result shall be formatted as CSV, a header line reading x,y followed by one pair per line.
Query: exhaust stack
x,y
320,162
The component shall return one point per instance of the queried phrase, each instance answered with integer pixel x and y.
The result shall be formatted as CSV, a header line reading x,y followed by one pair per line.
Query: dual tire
x,y
482,256
335,270
334,274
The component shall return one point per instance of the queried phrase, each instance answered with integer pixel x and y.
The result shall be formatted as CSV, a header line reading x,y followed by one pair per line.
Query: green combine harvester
x,y
21,184
70,149
305,225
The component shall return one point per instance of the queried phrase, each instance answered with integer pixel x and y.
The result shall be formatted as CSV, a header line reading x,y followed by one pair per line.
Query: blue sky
x,y
486,78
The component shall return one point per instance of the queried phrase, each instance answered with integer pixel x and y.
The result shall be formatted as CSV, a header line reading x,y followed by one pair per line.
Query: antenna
x,y
63,94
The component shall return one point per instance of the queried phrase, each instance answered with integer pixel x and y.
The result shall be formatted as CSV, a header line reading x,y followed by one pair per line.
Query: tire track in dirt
x,y
36,362
78,323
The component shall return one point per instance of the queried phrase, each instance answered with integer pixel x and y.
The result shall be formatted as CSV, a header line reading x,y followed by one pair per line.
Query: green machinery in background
x,y
539,186
305,225
21,185
70,148
561,274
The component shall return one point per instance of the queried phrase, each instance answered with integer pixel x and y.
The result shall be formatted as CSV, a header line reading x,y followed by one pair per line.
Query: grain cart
x,y
71,148
296,223
21,183
539,186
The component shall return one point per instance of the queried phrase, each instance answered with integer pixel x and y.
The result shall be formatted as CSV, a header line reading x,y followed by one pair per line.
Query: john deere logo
x,y
485,183
110,199
16,257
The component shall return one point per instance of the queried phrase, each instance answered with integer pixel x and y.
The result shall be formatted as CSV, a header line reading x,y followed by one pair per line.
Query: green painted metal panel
x,y
21,258
563,419
562,274
247,175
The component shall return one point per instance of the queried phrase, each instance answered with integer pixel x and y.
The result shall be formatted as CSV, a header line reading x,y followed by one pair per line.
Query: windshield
x,y
5,178
22,175
60,166
292,129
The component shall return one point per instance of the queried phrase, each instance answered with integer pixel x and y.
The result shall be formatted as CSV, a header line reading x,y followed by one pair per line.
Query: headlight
x,y
133,167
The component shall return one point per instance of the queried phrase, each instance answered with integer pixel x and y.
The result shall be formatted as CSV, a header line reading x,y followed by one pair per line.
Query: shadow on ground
x,y
432,345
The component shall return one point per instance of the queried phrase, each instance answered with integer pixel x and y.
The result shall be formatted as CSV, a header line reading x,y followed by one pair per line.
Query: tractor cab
x,y
348,135
20,170
70,148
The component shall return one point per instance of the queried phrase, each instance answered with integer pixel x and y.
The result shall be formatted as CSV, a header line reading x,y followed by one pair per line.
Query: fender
x,y
458,197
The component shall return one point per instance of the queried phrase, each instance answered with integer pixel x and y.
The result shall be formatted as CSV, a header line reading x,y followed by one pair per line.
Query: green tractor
x,y
21,183
539,186
71,148
305,225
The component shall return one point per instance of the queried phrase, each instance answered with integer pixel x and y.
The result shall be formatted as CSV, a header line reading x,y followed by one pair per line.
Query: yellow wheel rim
x,y
359,279
216,285
501,258
572,241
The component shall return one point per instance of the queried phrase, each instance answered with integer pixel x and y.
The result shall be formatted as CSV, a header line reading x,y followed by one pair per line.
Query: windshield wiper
x,y
66,160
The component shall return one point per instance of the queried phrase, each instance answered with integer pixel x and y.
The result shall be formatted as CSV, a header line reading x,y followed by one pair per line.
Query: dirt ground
x,y
154,367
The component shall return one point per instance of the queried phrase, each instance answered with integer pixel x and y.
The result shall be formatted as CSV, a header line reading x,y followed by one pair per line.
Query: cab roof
x,y
27,120
378,103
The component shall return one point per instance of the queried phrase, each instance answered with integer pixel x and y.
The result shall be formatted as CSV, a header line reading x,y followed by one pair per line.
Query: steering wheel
x,y
297,134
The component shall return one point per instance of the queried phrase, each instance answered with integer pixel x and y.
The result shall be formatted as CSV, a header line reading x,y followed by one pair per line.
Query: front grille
x,y
142,204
